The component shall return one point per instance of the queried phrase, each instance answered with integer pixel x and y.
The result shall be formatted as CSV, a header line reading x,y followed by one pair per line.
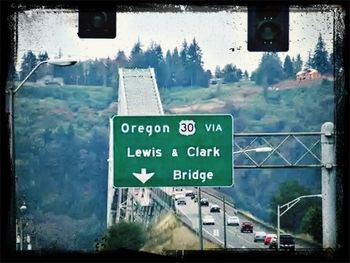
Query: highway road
x,y
234,238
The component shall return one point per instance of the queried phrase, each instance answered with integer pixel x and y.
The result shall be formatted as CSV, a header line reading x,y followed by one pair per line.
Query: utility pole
x,y
119,203
200,219
329,220
224,210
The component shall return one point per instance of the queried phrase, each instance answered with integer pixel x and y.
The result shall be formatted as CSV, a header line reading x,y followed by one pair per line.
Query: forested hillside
x,y
62,134
61,149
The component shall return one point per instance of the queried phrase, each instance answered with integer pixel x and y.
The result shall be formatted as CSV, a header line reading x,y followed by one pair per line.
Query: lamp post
x,y
23,209
224,211
10,94
258,150
289,205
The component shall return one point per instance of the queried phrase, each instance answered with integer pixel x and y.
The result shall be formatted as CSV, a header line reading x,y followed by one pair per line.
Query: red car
x,y
269,238
247,227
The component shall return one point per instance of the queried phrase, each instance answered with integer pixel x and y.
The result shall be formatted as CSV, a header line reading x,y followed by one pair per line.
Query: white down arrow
x,y
143,176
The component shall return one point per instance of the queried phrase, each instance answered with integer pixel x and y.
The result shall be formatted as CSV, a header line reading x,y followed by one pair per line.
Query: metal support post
x,y
200,219
132,208
119,204
329,221
21,234
224,210
278,227
12,171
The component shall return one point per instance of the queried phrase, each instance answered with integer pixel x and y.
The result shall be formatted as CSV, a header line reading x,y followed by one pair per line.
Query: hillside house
x,y
308,73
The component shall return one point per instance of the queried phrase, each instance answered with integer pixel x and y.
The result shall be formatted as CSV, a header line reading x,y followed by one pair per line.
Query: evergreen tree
x,y
195,63
112,72
137,58
309,62
184,75
320,58
177,68
246,74
288,67
43,69
121,59
154,58
43,56
208,73
297,64
270,70
218,73
192,72
231,73
28,63
168,71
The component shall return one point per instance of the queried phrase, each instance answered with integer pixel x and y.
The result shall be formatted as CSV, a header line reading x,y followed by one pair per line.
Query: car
x,y
181,201
233,221
270,238
194,197
177,196
286,242
204,202
208,220
247,227
259,236
190,193
214,209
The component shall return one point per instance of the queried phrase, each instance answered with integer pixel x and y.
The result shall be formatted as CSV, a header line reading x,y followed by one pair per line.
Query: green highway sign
x,y
174,150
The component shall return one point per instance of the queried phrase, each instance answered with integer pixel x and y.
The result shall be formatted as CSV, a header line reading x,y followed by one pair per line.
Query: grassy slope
x,y
293,105
168,233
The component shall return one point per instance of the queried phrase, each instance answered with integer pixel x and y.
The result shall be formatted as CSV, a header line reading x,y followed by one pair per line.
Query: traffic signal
x,y
268,28
97,23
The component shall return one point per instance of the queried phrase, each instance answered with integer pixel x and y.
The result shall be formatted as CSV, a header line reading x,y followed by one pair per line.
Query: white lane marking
x,y
221,242
216,232
237,234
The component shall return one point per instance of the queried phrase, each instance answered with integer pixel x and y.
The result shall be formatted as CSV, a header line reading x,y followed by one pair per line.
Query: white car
x,y
259,236
233,221
178,196
208,220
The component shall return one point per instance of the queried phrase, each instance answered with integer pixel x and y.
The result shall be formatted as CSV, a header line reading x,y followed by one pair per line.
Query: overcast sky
x,y
216,32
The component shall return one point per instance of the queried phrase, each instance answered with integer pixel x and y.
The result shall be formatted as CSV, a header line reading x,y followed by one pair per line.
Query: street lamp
x,y
55,62
23,209
10,95
258,150
289,205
